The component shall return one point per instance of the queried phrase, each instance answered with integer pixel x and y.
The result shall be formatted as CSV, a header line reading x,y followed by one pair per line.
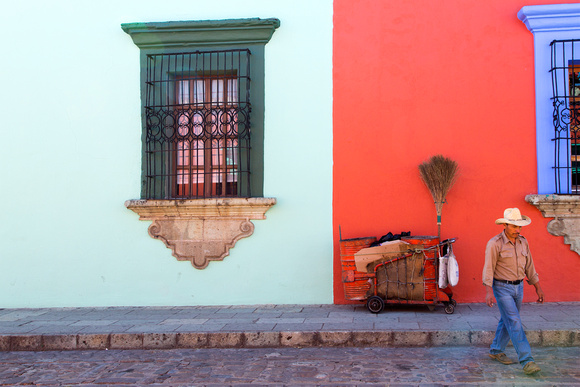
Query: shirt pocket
x,y
506,253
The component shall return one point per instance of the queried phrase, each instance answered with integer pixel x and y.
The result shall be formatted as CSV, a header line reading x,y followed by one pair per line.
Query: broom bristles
x,y
438,174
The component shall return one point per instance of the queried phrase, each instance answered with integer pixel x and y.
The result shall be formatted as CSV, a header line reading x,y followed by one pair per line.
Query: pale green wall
x,y
70,135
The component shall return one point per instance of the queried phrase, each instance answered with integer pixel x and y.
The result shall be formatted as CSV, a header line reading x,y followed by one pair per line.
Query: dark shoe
x,y
502,358
531,368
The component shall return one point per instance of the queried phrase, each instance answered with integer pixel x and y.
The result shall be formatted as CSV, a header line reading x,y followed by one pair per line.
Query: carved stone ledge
x,y
201,230
565,209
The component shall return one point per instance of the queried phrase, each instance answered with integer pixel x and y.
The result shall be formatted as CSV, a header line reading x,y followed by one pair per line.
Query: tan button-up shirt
x,y
505,260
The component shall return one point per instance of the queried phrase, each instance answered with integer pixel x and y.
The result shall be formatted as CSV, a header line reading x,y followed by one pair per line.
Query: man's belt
x,y
509,282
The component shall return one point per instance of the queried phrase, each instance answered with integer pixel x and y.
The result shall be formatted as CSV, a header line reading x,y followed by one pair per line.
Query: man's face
x,y
512,231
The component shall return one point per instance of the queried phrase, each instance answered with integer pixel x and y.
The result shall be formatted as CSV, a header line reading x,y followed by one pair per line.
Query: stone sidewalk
x,y
268,326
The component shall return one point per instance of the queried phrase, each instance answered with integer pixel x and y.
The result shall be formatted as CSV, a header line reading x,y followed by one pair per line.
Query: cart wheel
x,y
375,304
454,303
449,308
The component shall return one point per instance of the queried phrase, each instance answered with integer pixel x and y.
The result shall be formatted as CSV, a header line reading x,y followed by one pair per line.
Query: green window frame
x,y
163,168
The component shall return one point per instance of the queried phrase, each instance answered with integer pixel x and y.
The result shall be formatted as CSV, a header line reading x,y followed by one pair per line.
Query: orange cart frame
x,y
364,287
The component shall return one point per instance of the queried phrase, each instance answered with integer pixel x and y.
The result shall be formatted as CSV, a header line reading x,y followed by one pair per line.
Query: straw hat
x,y
513,216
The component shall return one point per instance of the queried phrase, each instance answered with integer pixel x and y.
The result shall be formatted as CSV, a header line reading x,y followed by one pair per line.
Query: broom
x,y
438,174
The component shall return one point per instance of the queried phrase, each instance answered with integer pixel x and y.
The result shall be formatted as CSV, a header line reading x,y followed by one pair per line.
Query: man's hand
x,y
539,292
489,296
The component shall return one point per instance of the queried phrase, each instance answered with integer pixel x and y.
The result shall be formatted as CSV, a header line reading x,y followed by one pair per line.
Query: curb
x,y
197,340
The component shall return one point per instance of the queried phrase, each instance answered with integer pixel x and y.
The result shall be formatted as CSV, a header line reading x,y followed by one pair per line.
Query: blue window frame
x,y
548,24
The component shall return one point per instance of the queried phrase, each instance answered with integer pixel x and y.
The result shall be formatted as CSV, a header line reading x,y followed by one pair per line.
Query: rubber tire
x,y
449,308
375,304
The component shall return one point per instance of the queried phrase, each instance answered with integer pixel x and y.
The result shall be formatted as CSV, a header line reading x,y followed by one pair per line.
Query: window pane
x,y
182,177
182,153
232,91
232,177
197,123
216,152
183,92
232,152
197,153
199,92
214,123
197,176
217,91
232,115
183,122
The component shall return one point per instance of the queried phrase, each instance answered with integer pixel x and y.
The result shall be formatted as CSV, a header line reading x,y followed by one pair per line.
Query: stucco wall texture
x,y
71,157
417,78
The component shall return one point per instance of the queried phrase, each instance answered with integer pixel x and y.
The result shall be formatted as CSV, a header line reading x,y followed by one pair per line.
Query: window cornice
x,y
201,33
551,18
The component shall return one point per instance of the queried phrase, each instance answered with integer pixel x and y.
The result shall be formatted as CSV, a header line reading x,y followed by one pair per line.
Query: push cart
x,y
407,277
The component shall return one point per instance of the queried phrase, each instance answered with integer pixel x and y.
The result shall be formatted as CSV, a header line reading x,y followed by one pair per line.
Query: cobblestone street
x,y
285,366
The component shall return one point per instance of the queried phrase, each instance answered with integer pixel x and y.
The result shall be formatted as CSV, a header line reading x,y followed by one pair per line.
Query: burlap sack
x,y
401,279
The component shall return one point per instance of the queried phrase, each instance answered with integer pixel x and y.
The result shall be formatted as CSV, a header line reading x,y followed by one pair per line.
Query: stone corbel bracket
x,y
565,209
201,230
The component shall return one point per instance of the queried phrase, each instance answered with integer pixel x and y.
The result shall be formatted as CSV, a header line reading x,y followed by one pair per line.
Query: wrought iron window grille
x,y
197,117
565,73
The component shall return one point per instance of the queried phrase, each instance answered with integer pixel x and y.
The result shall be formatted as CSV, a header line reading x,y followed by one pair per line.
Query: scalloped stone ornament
x,y
201,230
565,209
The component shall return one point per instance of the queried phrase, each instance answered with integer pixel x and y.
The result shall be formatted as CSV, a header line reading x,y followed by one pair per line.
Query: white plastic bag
x,y
452,268
443,263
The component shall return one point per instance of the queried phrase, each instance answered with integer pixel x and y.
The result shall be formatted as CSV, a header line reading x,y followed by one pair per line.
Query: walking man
x,y
507,261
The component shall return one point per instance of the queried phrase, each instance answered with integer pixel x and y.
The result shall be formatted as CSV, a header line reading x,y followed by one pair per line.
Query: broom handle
x,y
439,224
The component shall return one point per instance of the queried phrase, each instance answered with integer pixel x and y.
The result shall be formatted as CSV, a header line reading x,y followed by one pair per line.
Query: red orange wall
x,y
453,77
